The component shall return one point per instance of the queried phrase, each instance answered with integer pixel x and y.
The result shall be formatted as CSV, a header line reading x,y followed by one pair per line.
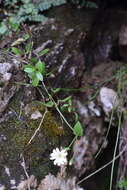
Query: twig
x,y
37,128
24,168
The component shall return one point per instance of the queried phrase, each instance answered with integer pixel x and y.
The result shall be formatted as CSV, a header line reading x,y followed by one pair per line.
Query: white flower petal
x,y
59,156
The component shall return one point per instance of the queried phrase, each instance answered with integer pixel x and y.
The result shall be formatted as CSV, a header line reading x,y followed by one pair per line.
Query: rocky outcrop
x,y
28,129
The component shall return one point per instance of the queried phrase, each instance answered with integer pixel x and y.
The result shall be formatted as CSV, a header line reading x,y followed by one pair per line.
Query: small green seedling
x,y
36,68
27,49
35,72
66,104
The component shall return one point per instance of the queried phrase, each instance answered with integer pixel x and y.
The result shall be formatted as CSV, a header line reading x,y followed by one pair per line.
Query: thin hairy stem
x,y
109,126
92,174
37,128
51,98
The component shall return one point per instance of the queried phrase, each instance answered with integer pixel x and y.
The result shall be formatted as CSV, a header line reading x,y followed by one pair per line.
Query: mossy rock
x,y
19,128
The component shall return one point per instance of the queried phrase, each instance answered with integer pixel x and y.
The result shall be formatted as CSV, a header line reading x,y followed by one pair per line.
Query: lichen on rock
x,y
8,64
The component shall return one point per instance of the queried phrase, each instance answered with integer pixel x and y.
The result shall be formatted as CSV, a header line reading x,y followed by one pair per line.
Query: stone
x,y
7,86
109,99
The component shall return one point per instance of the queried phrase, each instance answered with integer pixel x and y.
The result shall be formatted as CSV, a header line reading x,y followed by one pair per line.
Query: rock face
x,y
106,37
20,112
8,64
123,42
52,182
22,150
64,36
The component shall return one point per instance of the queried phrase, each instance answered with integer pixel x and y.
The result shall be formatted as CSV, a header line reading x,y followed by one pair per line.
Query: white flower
x,y
59,156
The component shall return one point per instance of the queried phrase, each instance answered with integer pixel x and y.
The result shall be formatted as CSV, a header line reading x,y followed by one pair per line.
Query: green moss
x,y
20,128
50,126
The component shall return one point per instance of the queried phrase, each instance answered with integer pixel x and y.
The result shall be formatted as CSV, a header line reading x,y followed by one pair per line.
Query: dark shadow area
x,y
101,180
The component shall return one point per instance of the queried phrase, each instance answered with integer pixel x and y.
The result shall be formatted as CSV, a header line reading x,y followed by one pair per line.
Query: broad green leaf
x,y
35,81
49,104
32,75
29,70
78,130
40,66
39,76
16,51
43,52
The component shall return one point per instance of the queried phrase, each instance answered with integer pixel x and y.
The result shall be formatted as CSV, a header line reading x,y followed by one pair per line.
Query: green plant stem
x,y
36,131
109,126
74,139
51,98
25,170
117,139
22,83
